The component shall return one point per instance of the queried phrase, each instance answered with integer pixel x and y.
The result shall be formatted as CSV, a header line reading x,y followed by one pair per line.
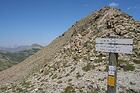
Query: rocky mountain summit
x,y
70,63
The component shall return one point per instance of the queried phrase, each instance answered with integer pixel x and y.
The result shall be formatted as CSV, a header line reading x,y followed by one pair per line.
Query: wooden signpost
x,y
113,46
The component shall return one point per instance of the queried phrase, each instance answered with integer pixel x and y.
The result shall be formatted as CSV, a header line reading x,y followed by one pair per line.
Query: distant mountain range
x,y
12,56
20,48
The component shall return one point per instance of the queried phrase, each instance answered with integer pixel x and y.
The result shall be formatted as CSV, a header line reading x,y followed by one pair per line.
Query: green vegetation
x,y
40,90
134,30
88,67
8,59
131,91
46,71
92,91
20,56
88,45
129,67
78,75
72,69
26,84
69,89
67,74
106,69
3,89
98,60
5,65
59,82
94,25
121,61
126,66
136,61
69,80
21,90
100,79
54,76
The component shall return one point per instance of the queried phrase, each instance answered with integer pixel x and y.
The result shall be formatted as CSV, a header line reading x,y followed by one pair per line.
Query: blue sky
x,y
23,22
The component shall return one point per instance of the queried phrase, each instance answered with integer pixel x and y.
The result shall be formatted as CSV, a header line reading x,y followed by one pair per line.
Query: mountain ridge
x,y
20,48
70,63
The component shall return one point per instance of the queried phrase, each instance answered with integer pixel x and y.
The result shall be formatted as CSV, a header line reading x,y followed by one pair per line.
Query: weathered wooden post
x,y
112,73
113,46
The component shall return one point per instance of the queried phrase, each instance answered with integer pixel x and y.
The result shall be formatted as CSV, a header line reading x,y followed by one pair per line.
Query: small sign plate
x,y
111,73
112,70
111,81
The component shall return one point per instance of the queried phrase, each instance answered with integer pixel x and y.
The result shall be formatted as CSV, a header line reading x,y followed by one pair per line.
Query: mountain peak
x,y
71,61
106,8
109,20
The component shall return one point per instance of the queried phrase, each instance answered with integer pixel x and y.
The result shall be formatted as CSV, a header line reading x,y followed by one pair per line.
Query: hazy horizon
x,y
22,45
25,22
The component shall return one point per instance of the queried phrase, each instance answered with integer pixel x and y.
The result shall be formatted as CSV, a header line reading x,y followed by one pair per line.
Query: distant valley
x,y
12,56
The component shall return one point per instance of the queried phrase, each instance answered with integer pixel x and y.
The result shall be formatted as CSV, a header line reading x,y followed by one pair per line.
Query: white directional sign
x,y
114,40
114,45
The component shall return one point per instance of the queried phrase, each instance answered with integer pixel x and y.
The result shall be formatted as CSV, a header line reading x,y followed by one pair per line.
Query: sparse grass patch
x,y
68,74
100,55
21,90
72,69
129,67
40,90
59,77
46,72
54,76
121,61
88,45
59,82
75,57
88,67
69,80
26,84
13,87
69,89
126,66
3,89
83,32
132,83
106,69
101,79
78,75
131,91
136,61
98,60
92,91
134,30
94,25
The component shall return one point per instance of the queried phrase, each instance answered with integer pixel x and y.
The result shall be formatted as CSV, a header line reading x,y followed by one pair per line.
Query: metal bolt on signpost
x,y
113,46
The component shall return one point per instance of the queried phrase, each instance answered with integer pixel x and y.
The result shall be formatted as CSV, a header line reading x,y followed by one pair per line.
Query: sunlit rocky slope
x,y
70,63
